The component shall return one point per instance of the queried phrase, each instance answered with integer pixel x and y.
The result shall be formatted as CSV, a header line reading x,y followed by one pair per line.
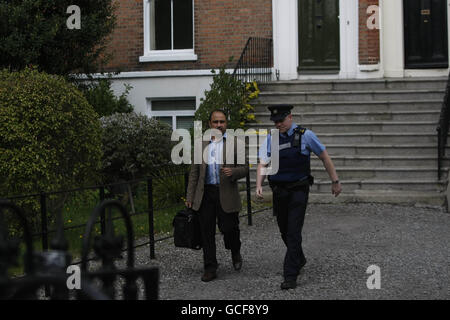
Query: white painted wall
x,y
285,38
392,37
348,22
168,84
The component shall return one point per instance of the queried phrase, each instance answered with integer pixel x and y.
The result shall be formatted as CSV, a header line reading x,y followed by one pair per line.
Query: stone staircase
x,y
381,135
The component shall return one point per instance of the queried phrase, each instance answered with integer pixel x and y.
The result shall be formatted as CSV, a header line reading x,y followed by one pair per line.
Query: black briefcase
x,y
186,229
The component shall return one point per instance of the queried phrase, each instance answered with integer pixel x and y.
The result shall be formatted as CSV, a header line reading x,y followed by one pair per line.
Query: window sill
x,y
168,56
369,67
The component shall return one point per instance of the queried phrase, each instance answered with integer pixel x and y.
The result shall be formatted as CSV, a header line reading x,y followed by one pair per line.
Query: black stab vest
x,y
294,165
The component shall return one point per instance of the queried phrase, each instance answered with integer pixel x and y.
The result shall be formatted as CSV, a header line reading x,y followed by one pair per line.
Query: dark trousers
x,y
210,211
290,208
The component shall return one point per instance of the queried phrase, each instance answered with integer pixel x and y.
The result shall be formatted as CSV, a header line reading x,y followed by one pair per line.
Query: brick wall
x,y
369,39
222,28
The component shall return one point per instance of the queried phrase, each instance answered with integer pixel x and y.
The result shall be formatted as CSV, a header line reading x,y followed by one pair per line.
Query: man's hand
x,y
188,204
259,180
336,189
259,192
227,171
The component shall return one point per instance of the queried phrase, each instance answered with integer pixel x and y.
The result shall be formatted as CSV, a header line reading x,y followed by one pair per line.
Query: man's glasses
x,y
218,121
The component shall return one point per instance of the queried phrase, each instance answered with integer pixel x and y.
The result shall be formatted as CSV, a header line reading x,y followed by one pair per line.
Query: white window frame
x,y
174,113
164,55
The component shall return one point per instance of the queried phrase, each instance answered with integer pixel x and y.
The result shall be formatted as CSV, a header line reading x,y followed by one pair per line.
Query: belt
x,y
291,186
308,181
212,185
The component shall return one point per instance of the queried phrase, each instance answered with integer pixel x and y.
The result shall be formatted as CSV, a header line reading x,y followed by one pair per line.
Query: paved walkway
x,y
409,244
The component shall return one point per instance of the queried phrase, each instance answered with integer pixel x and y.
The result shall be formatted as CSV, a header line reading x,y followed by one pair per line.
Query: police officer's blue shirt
x,y
310,142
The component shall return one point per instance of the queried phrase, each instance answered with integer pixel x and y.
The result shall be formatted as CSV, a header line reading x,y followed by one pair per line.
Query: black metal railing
x,y
256,61
47,270
107,245
443,126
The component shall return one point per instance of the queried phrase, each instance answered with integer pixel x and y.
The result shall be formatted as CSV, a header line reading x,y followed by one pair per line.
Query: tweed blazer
x,y
230,199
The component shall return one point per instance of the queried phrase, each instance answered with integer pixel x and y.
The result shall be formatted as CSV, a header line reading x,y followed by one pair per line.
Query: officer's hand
x,y
227,171
259,192
336,188
188,204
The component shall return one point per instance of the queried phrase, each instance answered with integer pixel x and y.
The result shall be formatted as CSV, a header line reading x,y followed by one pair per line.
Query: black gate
x,y
46,272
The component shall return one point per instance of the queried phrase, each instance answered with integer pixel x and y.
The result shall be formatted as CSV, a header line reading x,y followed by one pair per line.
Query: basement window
x,y
176,112
168,30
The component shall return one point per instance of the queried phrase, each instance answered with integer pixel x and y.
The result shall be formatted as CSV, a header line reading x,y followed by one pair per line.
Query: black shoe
x,y
208,276
237,261
289,284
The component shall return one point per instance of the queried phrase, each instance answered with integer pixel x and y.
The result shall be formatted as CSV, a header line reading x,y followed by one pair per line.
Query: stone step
x,y
381,173
356,185
300,117
380,133
382,149
372,161
399,197
417,198
356,106
375,95
361,126
378,173
385,150
378,137
382,161
351,85
383,185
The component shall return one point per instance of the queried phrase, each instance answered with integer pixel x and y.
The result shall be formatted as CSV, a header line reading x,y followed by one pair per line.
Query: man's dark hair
x,y
218,110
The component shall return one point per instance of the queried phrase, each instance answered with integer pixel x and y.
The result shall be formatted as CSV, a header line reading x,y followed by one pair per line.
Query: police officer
x,y
290,185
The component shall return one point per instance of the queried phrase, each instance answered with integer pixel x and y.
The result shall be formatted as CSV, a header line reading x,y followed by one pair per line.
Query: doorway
x,y
425,34
318,36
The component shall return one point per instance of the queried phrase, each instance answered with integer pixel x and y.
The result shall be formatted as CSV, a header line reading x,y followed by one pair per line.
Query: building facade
x,y
165,49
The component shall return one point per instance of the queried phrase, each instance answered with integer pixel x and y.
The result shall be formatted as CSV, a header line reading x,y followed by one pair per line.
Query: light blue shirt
x,y
215,160
310,142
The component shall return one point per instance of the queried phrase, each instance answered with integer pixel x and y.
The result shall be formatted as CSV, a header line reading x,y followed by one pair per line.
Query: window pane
x,y
167,120
173,105
162,25
185,122
182,24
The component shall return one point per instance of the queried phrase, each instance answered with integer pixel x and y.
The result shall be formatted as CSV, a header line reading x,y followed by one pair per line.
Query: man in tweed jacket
x,y
213,192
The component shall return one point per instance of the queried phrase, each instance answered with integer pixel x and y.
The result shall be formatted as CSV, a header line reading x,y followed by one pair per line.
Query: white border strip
x,y
163,74
156,74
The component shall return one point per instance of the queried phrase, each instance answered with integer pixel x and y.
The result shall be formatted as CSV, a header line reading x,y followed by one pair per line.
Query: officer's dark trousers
x,y
228,223
290,208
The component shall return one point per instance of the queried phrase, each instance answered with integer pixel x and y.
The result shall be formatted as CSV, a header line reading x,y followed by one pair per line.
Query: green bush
x,y
232,96
133,145
49,135
100,95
